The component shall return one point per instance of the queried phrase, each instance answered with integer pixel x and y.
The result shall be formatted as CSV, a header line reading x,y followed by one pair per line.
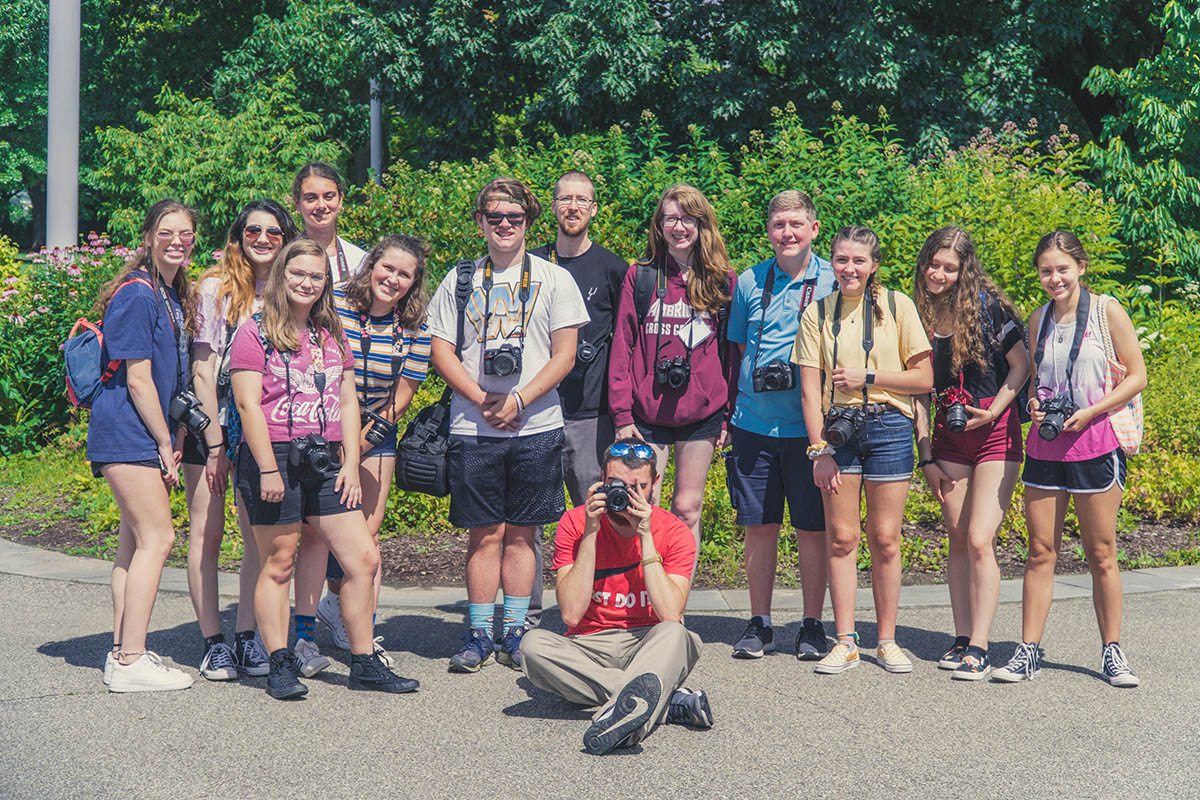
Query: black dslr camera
x,y
843,424
380,430
313,451
502,361
673,372
776,375
184,409
1058,410
616,495
954,402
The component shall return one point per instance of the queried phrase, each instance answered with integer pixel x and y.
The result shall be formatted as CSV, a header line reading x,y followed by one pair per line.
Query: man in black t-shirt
x,y
599,273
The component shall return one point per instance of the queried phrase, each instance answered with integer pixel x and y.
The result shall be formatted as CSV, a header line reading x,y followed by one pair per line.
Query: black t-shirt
x,y
599,273
981,382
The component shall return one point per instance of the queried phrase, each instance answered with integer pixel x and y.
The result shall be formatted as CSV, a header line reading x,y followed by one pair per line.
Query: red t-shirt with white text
x,y
619,596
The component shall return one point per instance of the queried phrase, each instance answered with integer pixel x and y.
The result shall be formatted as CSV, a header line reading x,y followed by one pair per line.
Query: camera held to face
x,y
673,373
775,376
1058,410
313,452
185,410
502,361
616,495
844,424
380,428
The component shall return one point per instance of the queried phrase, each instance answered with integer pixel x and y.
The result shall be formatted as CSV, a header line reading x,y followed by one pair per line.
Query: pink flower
x,y
43,310
7,293
11,280
74,271
17,319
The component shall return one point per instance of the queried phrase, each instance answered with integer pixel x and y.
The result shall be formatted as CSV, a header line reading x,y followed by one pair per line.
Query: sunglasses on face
x,y
516,219
254,231
622,449
166,237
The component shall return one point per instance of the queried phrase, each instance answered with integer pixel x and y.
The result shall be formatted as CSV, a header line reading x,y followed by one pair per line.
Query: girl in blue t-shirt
x,y
148,319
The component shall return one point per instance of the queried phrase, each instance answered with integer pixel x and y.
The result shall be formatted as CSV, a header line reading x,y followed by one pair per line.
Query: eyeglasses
x,y
568,201
622,449
297,277
687,222
254,231
516,219
166,237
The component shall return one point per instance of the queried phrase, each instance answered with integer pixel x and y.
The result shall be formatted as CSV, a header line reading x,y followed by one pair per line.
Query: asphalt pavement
x,y
780,729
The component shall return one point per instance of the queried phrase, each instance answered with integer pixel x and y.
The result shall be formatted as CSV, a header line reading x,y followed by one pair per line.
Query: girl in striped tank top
x,y
1077,457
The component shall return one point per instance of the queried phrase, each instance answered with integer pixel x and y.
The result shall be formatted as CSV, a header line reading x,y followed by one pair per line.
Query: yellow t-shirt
x,y
897,340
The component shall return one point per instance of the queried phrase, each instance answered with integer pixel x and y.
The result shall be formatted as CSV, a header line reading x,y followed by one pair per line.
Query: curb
x,y
32,562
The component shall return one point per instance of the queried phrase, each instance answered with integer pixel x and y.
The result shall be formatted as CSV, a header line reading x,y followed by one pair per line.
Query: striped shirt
x,y
388,360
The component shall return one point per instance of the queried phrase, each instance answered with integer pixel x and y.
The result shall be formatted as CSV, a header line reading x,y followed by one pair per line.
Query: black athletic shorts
x,y
515,479
1092,476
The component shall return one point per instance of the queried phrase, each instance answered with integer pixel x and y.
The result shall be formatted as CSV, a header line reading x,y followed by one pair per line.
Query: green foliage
x,y
1148,155
215,162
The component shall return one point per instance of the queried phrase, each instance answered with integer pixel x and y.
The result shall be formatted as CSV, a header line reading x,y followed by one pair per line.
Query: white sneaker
x,y
329,611
218,663
383,654
308,655
147,674
109,661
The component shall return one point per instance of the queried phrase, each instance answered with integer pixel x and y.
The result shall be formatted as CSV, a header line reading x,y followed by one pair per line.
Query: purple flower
x,y
74,271
7,293
11,280
43,310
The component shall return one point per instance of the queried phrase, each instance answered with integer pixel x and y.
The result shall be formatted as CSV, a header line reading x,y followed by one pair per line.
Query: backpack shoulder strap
x,y
891,301
643,287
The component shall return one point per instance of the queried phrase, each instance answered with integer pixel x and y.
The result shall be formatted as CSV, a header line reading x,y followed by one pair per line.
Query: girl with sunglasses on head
x,y
293,381
227,293
673,372
863,356
1087,365
318,192
149,316
972,458
382,310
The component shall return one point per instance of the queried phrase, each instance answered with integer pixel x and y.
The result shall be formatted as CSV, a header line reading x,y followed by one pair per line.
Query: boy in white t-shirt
x,y
506,424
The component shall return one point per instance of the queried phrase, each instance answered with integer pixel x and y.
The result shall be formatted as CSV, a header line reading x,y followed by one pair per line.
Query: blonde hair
x,y
278,327
708,280
792,200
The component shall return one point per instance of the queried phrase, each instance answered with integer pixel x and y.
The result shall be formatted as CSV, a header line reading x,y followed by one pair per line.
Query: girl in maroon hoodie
x,y
672,373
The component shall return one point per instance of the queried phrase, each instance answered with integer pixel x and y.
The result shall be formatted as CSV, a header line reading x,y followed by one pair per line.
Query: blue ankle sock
x,y
304,627
480,615
515,609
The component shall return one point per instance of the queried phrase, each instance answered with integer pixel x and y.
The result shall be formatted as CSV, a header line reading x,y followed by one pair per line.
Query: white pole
x,y
376,132
62,136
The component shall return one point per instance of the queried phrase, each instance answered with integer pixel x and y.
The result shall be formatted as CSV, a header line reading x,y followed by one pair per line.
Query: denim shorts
x,y
385,448
883,451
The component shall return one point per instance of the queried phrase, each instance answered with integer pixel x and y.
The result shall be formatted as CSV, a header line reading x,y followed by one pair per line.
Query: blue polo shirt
x,y
772,413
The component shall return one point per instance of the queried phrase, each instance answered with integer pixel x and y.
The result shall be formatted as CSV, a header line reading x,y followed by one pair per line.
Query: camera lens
x,y
956,417
1051,427
616,496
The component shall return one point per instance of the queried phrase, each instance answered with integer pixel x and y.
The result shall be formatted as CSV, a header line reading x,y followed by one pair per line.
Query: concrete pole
x,y
62,136
376,132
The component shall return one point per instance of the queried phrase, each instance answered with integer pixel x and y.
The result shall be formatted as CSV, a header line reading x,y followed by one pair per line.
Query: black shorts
x,y
707,428
96,465
762,471
1092,476
191,450
517,479
305,494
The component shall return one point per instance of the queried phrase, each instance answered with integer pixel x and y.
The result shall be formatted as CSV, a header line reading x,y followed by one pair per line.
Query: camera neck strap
x,y
176,319
522,295
868,336
343,268
1081,317
810,288
364,338
318,378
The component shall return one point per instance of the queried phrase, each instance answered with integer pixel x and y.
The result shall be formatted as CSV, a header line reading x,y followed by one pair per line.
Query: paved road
x,y
781,730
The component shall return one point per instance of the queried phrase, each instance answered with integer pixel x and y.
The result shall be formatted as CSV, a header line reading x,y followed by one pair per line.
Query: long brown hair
x,y
278,325
965,302
142,258
234,270
860,234
708,279
415,301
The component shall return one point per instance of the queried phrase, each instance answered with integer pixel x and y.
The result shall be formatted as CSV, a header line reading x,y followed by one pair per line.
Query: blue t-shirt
x,y
136,325
772,413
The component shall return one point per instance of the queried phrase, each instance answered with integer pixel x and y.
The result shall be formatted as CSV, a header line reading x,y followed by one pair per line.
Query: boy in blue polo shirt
x,y
768,462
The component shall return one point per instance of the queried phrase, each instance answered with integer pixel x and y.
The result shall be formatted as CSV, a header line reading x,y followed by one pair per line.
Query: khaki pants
x,y
591,669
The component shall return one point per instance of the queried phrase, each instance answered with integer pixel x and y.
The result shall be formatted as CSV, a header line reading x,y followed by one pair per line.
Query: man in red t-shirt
x,y
624,570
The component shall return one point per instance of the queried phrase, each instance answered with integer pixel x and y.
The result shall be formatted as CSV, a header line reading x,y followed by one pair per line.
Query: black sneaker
x,y
1116,668
1025,664
811,642
283,678
368,673
757,639
954,655
634,705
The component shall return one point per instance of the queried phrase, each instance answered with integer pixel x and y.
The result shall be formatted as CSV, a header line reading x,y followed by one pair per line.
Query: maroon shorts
x,y
1000,441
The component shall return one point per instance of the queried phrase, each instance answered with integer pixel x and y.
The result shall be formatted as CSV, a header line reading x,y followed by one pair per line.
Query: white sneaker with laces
x,y
147,674
329,611
308,655
110,661
1116,667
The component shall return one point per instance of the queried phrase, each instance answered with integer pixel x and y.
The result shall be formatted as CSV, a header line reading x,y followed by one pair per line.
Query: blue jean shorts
x,y
883,451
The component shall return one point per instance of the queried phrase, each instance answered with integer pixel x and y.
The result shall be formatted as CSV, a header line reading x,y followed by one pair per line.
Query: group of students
x,y
304,351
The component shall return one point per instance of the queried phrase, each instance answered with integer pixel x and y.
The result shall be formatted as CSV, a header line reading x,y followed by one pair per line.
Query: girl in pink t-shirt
x,y
1073,453
293,380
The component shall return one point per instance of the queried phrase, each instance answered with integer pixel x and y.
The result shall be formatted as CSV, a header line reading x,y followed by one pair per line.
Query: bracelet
x,y
656,558
926,462
520,400
269,472
815,451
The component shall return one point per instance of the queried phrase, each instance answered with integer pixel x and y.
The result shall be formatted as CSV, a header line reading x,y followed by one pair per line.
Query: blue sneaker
x,y
477,651
690,707
509,652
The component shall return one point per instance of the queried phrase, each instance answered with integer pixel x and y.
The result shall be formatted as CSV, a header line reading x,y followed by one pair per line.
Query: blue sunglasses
x,y
621,449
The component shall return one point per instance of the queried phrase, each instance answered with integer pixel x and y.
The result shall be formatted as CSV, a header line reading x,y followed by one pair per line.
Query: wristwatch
x,y
870,377
648,560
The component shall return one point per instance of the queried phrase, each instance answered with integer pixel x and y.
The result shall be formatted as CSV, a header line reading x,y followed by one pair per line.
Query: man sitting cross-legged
x,y
624,569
